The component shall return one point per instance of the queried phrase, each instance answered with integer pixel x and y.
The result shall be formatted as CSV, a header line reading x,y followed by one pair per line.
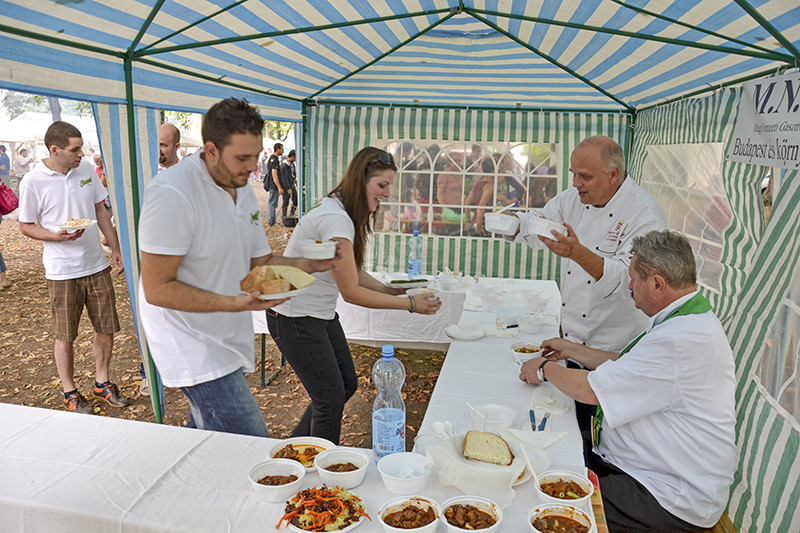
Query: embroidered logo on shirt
x,y
87,181
609,245
254,217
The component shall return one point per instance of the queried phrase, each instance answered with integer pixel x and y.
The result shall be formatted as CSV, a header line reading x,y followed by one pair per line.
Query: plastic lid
x,y
416,233
387,350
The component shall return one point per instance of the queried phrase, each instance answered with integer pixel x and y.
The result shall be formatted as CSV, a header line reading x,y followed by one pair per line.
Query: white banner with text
x,y
767,130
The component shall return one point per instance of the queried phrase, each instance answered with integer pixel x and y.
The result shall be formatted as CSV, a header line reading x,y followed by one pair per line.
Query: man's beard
x,y
222,175
162,158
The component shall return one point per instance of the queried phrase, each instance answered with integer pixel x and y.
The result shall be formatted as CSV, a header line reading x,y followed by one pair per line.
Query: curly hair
x,y
228,117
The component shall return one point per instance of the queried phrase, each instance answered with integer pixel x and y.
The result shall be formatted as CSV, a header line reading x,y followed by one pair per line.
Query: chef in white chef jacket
x,y
603,212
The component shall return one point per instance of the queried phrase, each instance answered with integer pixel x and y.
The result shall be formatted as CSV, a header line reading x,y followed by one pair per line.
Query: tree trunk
x,y
55,108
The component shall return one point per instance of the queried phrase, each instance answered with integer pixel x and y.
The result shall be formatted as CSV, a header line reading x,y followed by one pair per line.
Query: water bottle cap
x,y
416,233
387,350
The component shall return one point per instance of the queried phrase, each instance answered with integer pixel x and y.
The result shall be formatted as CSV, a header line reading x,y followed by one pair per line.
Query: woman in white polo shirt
x,y
306,328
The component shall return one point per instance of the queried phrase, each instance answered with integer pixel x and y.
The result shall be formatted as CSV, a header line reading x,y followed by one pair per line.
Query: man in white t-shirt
x,y
197,320
60,189
663,437
169,141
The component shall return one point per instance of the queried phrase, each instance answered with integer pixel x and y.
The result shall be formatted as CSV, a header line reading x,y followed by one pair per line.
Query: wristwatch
x,y
540,371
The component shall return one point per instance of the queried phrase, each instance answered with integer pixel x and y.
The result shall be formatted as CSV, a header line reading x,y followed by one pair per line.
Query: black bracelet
x,y
413,304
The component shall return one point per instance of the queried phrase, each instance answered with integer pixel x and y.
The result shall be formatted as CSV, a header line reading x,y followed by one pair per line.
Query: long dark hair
x,y
351,191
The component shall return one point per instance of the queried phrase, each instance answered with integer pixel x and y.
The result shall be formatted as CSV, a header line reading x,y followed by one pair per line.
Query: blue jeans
x,y
227,405
318,352
272,206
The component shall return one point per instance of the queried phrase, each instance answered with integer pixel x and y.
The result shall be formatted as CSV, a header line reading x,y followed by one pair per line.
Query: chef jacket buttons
x,y
610,215
584,315
563,304
589,282
569,272
566,334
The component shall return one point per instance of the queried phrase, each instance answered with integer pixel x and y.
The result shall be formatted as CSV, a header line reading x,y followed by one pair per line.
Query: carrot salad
x,y
323,509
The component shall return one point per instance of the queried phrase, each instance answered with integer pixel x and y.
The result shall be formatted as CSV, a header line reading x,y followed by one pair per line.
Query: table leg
x,y
267,380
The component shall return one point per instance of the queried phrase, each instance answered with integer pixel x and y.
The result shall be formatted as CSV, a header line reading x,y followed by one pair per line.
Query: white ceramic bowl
x,y
398,504
276,467
300,442
483,504
404,472
318,249
338,455
497,417
500,223
558,509
431,294
555,475
544,227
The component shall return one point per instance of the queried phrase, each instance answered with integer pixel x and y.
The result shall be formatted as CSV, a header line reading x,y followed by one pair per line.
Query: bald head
x,y
169,140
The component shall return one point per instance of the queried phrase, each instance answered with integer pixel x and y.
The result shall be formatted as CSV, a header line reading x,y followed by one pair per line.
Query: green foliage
x,y
183,120
17,103
538,155
277,131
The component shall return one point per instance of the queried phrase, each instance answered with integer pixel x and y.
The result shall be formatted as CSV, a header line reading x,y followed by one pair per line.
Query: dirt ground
x,y
28,375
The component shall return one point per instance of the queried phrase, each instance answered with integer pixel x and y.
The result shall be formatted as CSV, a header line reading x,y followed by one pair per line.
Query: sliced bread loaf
x,y
487,447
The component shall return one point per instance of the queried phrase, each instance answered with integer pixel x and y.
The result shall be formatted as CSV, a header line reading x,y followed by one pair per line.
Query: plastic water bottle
x,y
388,409
414,255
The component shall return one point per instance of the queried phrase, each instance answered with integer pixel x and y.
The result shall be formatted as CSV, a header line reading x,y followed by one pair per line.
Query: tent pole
x,y
155,384
305,155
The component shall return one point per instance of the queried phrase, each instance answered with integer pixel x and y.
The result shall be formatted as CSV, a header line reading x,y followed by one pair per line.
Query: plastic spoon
x,y
506,207
480,414
530,465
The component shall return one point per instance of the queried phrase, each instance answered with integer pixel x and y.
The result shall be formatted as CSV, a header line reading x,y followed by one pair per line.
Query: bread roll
x,y
275,279
487,447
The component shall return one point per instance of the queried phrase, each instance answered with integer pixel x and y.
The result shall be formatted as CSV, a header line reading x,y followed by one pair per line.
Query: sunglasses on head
x,y
385,158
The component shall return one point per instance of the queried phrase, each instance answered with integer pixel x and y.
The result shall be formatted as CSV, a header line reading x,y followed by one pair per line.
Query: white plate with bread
x,y
275,282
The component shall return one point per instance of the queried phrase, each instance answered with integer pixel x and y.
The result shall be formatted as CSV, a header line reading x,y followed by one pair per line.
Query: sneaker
x,y
109,392
144,387
75,402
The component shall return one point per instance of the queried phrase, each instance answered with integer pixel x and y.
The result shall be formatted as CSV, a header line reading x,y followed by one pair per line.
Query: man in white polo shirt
x,y
200,233
62,188
663,440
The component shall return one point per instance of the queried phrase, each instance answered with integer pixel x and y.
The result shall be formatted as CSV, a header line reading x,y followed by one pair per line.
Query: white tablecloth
x,y
68,472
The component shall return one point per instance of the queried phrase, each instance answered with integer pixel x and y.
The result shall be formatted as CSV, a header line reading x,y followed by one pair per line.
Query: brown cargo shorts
x,y
69,296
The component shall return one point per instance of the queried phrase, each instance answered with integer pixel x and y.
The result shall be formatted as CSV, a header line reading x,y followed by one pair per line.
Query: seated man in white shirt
x,y
663,435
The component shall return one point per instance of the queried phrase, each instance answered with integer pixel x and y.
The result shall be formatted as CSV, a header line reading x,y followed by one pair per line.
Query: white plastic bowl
x,y
404,472
431,294
500,223
544,227
449,283
555,475
532,324
318,250
337,455
296,442
398,504
274,467
524,356
559,509
476,501
497,417
536,304
485,290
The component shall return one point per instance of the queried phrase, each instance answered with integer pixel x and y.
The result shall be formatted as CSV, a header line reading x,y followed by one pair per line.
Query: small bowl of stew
x,y
471,513
276,480
409,513
342,466
559,518
556,486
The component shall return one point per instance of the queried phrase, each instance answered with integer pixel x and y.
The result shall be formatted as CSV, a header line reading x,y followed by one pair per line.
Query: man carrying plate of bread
x,y
206,263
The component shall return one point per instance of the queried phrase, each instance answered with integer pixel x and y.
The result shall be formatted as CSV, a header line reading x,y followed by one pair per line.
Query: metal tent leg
x,y
267,380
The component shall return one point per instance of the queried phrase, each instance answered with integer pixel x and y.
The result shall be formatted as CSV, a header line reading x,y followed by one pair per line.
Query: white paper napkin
x,y
546,397
540,439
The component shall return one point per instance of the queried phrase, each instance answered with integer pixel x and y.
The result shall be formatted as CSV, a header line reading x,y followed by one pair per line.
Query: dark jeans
x,y
289,194
318,352
272,206
227,405
629,507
